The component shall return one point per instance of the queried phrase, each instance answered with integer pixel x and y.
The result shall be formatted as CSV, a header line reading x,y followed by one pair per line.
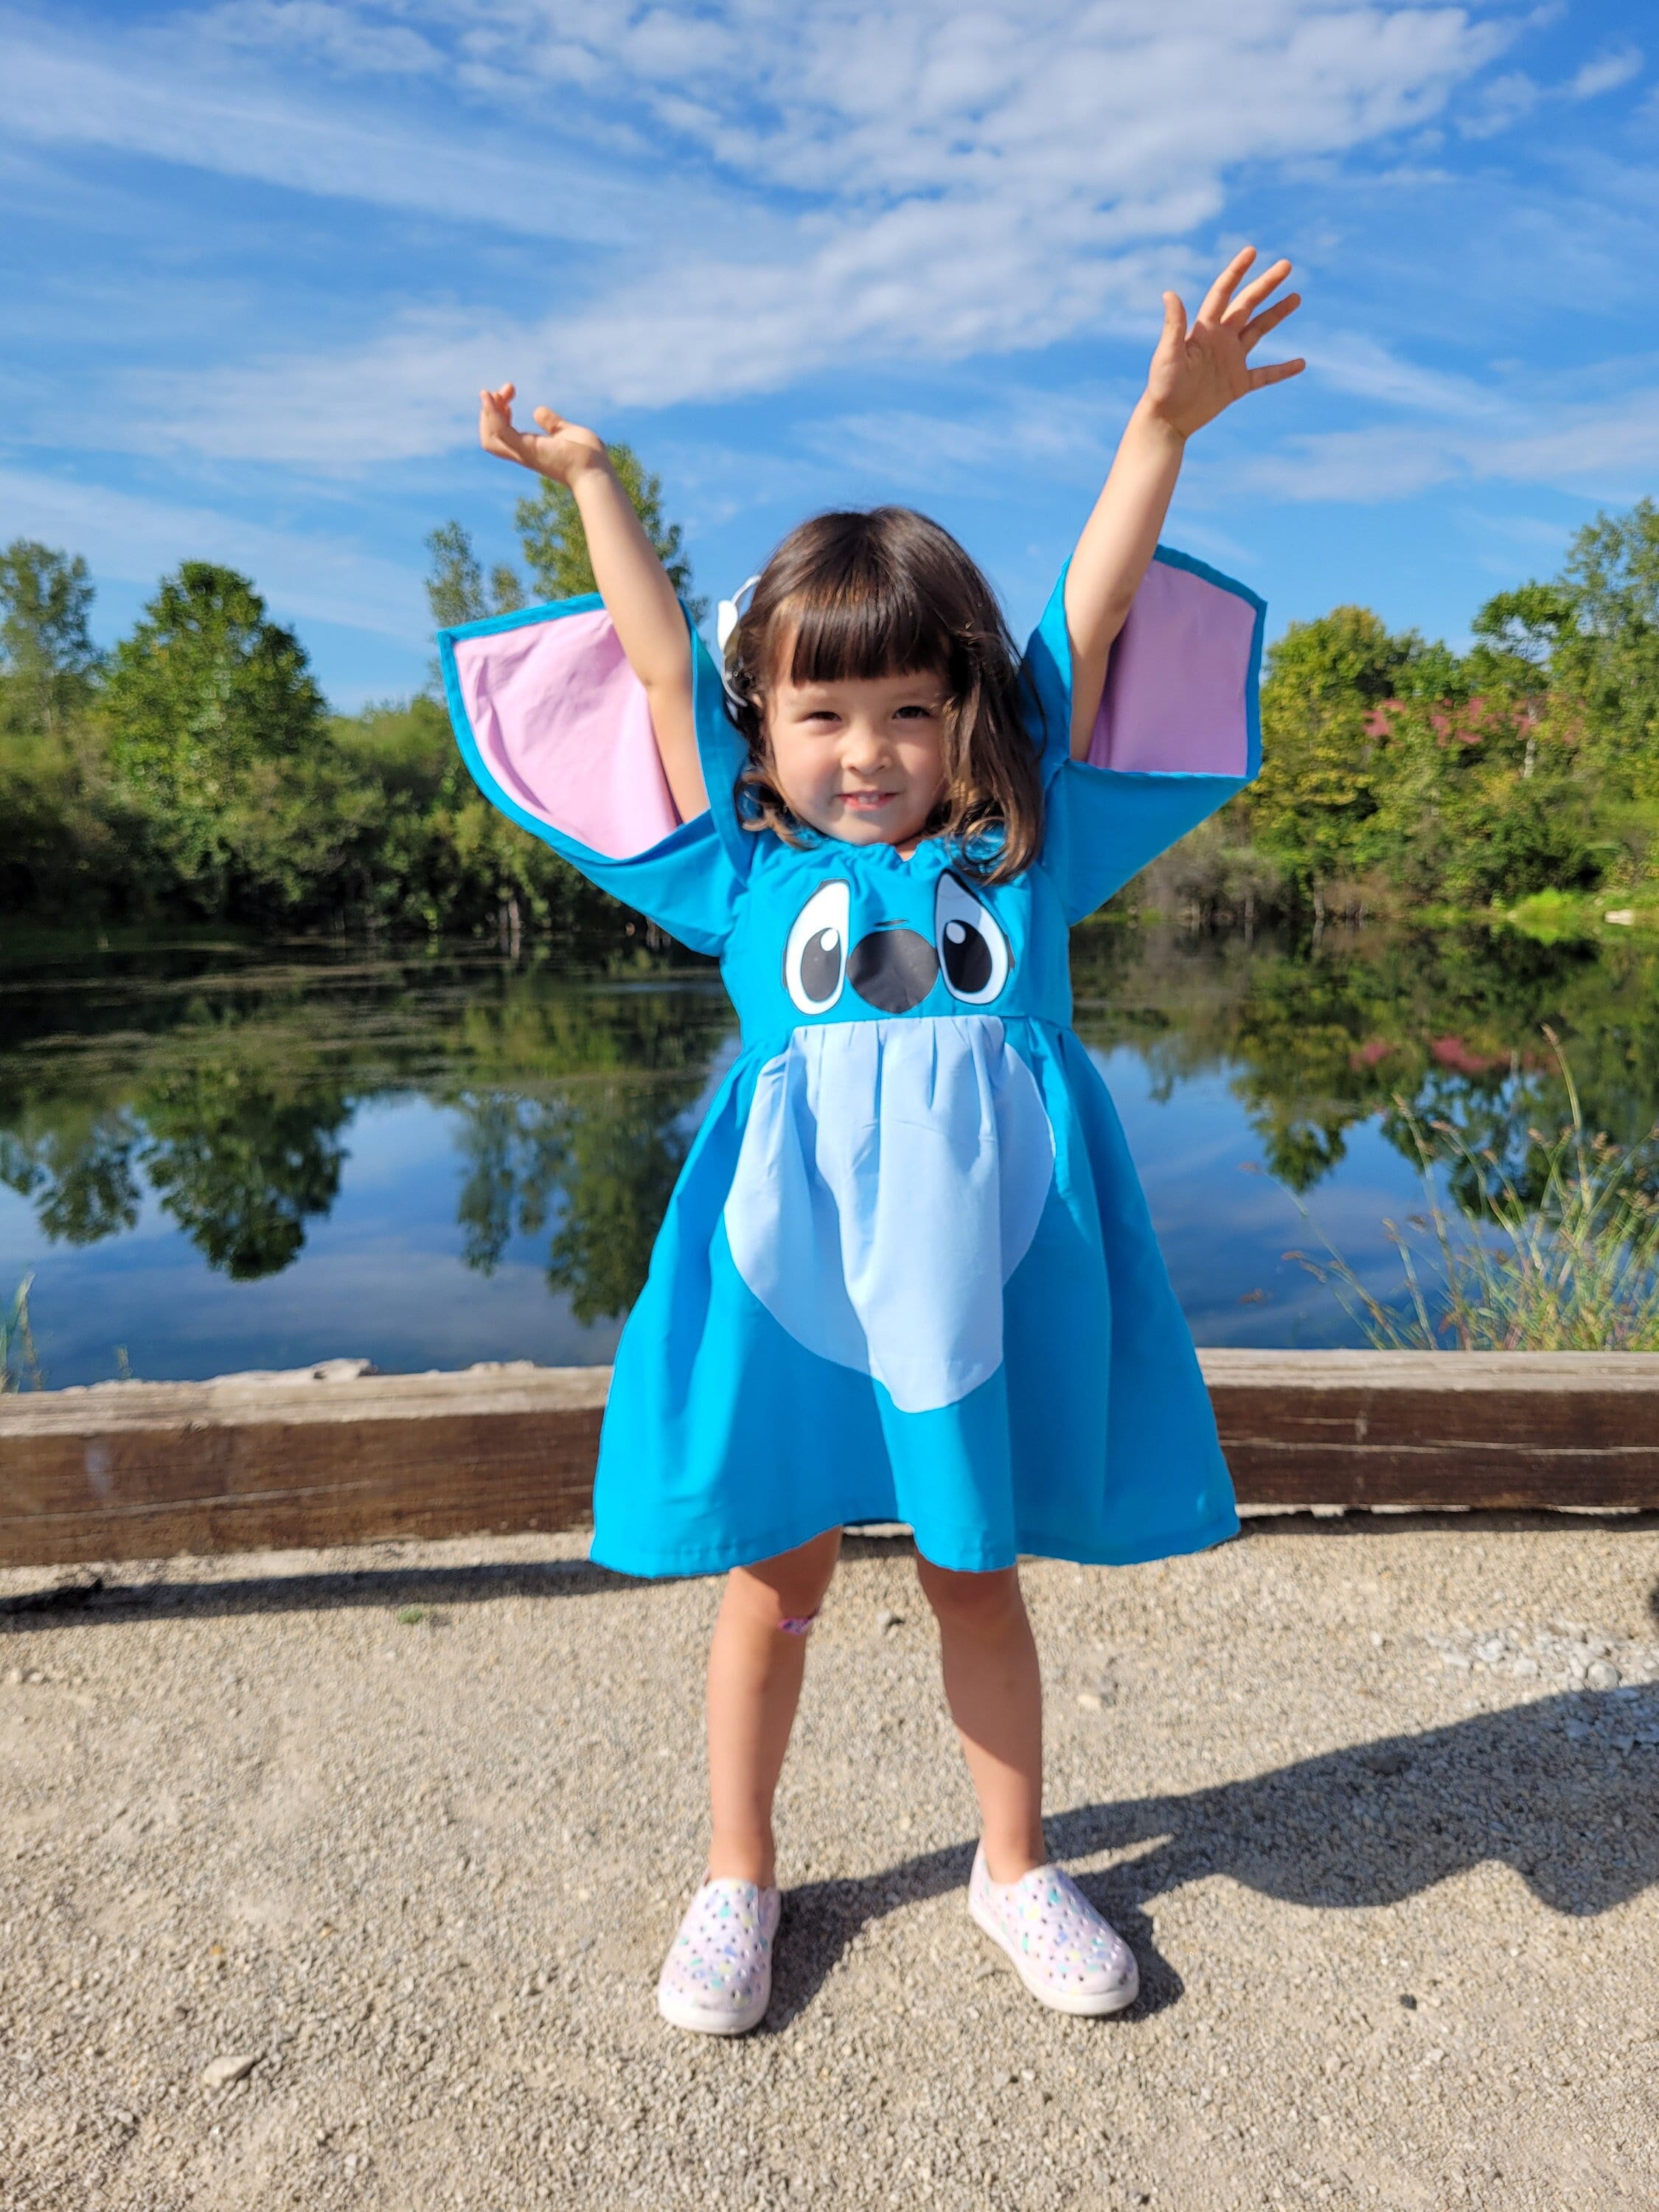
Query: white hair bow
x,y
726,618
728,615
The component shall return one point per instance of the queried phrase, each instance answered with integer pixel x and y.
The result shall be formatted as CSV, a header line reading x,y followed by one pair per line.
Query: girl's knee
x,y
971,1599
786,1591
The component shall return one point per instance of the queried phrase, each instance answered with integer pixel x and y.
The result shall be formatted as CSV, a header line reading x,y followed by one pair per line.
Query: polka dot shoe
x,y
717,1979
1063,1951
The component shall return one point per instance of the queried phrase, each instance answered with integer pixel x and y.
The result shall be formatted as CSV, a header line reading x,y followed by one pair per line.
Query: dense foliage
x,y
196,773
1399,775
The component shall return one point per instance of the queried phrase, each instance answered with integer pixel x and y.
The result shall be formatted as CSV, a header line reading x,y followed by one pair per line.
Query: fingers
x,y
1269,320
496,432
1256,291
548,420
1216,299
1275,372
1175,319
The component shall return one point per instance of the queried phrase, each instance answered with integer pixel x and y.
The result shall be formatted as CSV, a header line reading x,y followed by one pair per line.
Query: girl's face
x,y
862,759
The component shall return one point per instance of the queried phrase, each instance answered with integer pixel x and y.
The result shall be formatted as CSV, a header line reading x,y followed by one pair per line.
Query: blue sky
x,y
260,256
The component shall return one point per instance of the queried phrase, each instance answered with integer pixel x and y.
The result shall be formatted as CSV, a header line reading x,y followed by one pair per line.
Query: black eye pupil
x,y
820,965
967,958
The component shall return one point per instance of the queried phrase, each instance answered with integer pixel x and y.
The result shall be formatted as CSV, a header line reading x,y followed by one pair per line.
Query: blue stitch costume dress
x,y
908,1271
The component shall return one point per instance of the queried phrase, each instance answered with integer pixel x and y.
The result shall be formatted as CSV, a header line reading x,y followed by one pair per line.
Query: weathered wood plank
x,y
331,1456
1439,1429
336,1455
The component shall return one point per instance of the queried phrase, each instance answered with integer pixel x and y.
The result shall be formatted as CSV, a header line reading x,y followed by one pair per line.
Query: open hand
x,y
562,450
1197,371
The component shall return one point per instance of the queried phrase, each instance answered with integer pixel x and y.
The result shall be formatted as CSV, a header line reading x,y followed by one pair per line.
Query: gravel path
x,y
387,1845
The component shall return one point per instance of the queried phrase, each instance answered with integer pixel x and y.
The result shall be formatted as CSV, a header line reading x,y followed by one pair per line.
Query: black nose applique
x,y
893,969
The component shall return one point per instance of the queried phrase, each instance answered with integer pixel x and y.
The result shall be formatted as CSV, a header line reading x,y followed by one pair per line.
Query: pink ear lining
x,y
1175,698
562,725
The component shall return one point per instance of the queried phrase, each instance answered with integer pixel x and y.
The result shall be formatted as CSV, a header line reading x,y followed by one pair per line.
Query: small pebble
x,y
886,1620
1603,1675
1090,1700
219,2072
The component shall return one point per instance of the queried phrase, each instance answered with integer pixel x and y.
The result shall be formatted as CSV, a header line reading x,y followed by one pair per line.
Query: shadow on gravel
x,y
82,1594
1565,1790
86,1599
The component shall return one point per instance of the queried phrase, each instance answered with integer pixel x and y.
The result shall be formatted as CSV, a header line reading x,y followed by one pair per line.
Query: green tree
x,y
455,590
1323,735
556,548
48,663
1518,634
208,707
1608,661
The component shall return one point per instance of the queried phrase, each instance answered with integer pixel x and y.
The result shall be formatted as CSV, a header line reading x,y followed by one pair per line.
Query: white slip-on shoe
x,y
1067,1955
717,1977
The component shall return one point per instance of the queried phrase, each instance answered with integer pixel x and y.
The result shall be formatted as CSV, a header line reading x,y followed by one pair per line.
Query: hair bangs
x,y
854,627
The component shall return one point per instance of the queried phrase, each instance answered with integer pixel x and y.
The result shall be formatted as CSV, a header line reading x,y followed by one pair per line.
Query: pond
x,y
216,1156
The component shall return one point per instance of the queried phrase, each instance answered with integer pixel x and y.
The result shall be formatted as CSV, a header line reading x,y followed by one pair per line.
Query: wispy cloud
x,y
306,574
202,104
1353,361
935,183
1607,73
831,249
1604,449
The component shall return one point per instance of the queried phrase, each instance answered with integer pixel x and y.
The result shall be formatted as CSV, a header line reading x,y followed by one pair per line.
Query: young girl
x,y
907,1273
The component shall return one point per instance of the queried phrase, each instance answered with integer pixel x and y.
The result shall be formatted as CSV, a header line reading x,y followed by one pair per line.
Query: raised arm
x,y
1195,372
633,583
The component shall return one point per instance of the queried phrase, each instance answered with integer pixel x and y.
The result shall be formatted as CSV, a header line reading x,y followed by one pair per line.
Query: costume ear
x,y
559,725
1178,733
556,729
1180,685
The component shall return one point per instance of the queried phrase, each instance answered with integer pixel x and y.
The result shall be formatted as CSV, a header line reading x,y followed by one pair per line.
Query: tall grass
x,y
1574,1269
20,1365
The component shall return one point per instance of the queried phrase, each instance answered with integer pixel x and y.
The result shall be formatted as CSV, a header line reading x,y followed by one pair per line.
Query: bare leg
x,y
993,1685
755,1670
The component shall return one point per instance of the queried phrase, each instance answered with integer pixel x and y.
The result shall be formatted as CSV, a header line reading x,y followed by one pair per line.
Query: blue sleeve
x,y
1102,826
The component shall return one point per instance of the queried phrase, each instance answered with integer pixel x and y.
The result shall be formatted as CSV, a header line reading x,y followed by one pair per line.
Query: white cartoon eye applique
x,y
972,950
815,959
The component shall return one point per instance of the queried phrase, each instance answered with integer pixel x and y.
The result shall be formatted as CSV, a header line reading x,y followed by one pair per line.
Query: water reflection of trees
x,y
602,1159
239,1167
232,1105
1318,1039
228,1095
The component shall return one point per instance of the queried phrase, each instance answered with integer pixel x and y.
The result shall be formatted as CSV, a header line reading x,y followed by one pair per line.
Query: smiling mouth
x,y
868,800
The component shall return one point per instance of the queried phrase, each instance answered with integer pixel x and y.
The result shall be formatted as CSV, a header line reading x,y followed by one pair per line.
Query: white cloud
x,y
1607,73
786,192
1503,102
200,109
1605,449
341,35
137,540
1354,362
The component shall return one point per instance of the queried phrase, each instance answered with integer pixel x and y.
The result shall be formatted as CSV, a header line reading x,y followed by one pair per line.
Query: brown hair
x,y
889,593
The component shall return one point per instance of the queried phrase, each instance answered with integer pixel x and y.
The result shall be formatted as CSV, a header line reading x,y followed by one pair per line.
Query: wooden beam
x,y
337,1454
332,1454
1436,1429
